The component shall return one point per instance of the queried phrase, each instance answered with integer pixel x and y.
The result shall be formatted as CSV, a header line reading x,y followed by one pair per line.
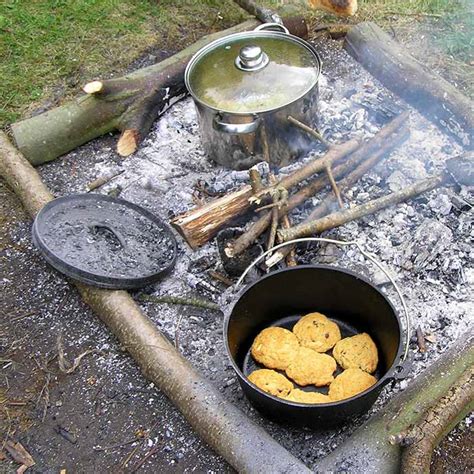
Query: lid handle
x,y
251,58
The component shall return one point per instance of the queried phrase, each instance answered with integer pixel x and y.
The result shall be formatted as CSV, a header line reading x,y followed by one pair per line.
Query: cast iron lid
x,y
252,72
103,241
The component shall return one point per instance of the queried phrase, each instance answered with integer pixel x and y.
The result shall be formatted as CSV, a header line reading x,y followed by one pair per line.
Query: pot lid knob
x,y
251,58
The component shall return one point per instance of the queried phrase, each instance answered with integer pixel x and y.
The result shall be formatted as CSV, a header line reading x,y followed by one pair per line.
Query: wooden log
x,y
373,446
342,217
245,446
434,97
200,225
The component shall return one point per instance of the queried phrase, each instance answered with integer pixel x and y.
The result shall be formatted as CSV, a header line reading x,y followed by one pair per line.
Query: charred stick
x,y
220,277
380,145
342,217
291,257
180,300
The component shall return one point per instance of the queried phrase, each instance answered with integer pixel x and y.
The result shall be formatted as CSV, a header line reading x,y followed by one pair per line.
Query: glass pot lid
x,y
252,72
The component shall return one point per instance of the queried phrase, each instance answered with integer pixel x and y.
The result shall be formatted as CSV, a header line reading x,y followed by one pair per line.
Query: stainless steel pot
x,y
245,86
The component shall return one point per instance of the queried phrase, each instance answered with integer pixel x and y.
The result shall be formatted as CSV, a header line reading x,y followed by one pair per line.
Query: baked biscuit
x,y
357,352
317,332
271,382
297,395
350,383
275,348
311,368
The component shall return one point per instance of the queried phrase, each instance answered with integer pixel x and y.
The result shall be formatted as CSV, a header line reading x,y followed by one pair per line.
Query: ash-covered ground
x,y
426,243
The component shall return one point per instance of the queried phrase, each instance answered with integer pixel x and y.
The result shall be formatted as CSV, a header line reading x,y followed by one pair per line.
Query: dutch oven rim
x,y
260,33
384,380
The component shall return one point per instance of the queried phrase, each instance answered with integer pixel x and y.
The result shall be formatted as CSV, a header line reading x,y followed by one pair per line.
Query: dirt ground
x,y
105,416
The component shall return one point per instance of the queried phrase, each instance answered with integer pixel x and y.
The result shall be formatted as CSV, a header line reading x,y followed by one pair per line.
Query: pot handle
x,y
342,243
235,128
272,27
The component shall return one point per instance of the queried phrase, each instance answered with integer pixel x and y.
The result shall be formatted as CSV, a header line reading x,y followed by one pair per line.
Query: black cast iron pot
x,y
280,299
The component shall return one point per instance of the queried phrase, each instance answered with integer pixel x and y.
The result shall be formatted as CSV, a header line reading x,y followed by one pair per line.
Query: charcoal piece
x,y
235,266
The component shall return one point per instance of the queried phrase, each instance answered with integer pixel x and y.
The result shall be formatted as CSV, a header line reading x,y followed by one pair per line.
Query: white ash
x,y
426,243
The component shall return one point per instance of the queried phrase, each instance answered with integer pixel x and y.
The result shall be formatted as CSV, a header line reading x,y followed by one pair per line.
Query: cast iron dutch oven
x,y
282,297
245,86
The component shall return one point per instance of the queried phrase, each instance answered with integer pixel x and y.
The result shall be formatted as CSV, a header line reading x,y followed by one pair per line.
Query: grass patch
x,y
48,48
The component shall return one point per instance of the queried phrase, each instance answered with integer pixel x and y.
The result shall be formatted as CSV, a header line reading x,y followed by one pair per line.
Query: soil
x,y
105,416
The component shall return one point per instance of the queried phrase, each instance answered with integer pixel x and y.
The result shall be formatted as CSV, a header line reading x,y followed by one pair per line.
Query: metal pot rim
x,y
261,34
386,378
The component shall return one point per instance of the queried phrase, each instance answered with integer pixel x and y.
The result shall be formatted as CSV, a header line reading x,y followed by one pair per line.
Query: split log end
x,y
128,142
93,87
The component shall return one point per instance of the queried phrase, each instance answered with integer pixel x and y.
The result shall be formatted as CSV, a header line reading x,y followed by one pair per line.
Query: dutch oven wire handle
x,y
342,243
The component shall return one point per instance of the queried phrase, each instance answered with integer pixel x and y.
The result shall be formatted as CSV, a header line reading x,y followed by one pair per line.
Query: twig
x,y
64,365
150,453
433,15
334,187
180,300
420,338
176,331
342,217
274,224
101,180
291,256
115,446
311,131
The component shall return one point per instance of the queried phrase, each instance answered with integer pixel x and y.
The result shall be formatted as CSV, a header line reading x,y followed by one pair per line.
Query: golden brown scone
x,y
275,348
317,332
311,368
271,382
357,352
350,383
297,395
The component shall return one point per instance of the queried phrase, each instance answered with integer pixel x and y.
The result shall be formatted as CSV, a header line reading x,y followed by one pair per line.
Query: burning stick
x,y
342,217
382,144
274,213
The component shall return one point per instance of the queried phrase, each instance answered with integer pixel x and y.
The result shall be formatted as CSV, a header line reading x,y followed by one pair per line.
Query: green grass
x,y
48,48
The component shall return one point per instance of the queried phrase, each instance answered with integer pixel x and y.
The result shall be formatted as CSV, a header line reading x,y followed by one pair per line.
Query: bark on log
x,y
200,225
342,217
247,447
433,96
371,447
437,422
382,144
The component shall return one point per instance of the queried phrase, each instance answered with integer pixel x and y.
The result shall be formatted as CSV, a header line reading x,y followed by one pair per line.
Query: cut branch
x,y
246,446
340,218
434,97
